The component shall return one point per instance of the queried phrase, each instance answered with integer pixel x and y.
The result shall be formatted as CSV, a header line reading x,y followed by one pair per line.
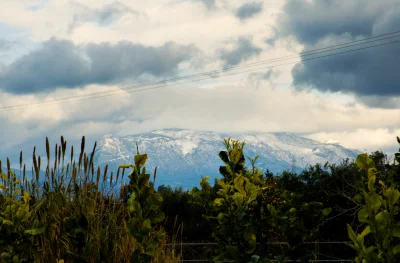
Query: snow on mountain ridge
x,y
183,156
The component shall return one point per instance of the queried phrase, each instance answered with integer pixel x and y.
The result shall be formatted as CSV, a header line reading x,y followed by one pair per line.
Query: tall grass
x,y
83,221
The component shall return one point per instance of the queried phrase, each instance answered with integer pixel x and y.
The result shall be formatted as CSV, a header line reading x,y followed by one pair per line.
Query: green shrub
x,y
379,208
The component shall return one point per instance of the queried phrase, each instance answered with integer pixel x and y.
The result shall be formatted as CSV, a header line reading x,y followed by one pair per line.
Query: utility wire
x,y
225,69
132,91
311,52
235,73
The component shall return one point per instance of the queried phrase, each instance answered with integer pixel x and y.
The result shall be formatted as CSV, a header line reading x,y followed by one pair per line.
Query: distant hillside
x,y
183,156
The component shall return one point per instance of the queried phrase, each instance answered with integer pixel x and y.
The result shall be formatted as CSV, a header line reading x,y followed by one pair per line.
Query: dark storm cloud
x,y
60,63
385,102
317,24
248,10
102,16
243,50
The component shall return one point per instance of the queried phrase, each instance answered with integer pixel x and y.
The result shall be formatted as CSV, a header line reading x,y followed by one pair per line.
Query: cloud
x,y
60,63
37,5
365,140
243,50
259,79
366,74
386,102
266,109
248,10
102,16
210,4
5,45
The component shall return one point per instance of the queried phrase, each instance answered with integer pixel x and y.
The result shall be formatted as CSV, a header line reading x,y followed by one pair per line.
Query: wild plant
x,y
71,213
379,209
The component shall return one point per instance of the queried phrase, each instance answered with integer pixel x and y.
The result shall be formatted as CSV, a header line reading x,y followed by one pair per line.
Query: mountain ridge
x,y
182,156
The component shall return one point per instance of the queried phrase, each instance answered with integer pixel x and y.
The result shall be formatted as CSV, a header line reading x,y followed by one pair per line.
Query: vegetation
x,y
74,215
378,211
72,218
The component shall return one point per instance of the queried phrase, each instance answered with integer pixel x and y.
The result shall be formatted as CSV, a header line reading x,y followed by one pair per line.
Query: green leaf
x,y
361,161
370,163
369,249
125,166
352,234
7,222
317,204
158,198
22,214
146,226
363,215
352,246
218,201
222,258
366,231
205,186
158,218
364,162
255,258
372,171
26,197
135,207
380,218
140,160
396,232
374,201
396,249
326,211
251,241
235,155
371,182
37,228
392,195
238,199
220,218
239,181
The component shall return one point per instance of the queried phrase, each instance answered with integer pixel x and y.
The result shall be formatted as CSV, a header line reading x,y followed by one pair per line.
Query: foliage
x,y
378,211
72,215
144,204
229,212
69,215
18,234
249,206
181,212
296,220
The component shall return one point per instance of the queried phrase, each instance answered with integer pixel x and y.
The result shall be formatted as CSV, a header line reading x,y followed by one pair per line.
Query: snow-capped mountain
x,y
183,156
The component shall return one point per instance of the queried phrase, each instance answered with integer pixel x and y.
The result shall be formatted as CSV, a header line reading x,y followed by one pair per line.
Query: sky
x,y
52,50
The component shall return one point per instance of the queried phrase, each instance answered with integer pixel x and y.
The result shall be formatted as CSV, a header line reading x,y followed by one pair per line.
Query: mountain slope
x,y
183,156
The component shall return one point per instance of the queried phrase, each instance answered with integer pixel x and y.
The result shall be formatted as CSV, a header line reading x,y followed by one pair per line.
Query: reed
x,y
81,221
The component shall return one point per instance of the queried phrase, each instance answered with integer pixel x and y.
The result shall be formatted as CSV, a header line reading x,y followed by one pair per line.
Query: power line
x,y
307,53
79,98
133,91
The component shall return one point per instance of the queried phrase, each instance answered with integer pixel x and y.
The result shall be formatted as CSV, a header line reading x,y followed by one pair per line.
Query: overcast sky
x,y
56,49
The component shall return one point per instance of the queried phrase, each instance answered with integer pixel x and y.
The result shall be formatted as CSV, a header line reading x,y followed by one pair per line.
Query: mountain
x,y
183,156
